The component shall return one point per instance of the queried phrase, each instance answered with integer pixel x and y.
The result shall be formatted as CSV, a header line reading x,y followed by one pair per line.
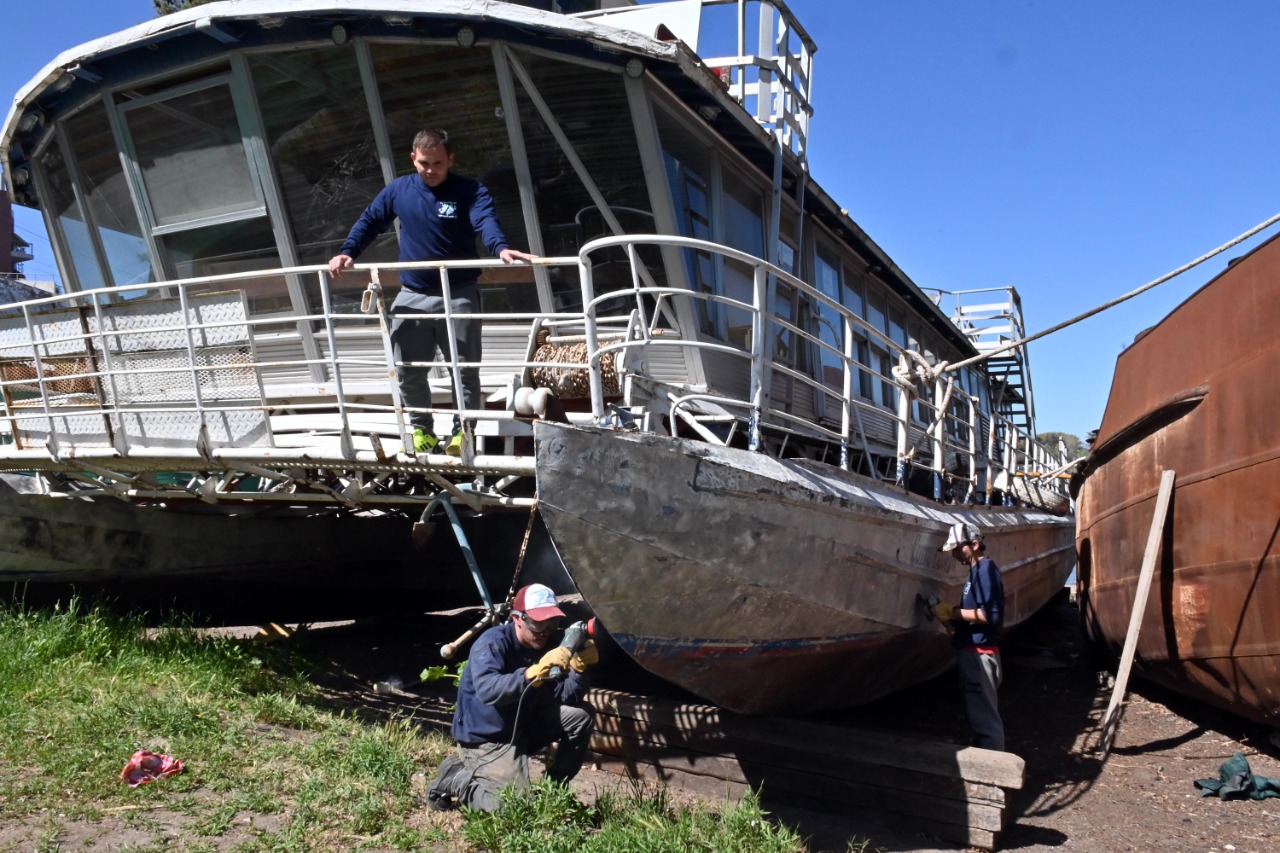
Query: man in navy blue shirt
x,y
511,706
441,213
978,623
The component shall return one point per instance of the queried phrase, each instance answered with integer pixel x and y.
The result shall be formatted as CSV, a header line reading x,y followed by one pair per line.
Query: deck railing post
x,y
759,301
939,433
372,300
973,449
119,437
203,437
455,375
845,419
52,441
991,454
346,445
593,342
904,420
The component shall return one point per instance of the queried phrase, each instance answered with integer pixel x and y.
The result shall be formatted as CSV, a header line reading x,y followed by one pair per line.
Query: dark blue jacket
x,y
435,225
492,683
985,589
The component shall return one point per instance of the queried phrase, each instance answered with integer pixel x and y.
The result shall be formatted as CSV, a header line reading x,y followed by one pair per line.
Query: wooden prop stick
x,y
1112,719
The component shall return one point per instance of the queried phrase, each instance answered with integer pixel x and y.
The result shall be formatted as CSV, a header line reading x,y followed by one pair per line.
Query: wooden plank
x,y
753,757
811,798
707,723
1112,718
870,792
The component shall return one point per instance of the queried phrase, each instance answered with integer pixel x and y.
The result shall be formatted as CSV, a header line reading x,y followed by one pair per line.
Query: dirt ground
x,y
1053,699
1141,798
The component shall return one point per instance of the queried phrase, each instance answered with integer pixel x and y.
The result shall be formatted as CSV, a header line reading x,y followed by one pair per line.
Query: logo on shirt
x,y
447,209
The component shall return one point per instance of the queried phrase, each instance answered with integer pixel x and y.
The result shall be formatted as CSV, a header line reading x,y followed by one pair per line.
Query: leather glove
x,y
586,656
559,656
944,612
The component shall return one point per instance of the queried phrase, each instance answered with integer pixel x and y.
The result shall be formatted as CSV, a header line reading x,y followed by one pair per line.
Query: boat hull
x,y
771,586
317,563
1211,414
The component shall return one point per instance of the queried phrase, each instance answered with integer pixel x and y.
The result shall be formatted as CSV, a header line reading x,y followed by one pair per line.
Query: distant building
x,y
14,251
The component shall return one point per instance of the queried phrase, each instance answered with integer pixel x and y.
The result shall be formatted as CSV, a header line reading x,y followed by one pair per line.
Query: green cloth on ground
x,y
1237,782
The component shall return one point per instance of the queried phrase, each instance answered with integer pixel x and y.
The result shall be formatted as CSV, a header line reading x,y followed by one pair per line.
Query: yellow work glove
x,y
944,612
559,656
587,656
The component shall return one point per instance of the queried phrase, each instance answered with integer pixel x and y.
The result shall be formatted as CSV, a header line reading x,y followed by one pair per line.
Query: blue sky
x,y
1075,150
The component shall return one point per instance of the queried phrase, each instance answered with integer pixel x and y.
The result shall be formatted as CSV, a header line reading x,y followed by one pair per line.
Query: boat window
x,y
65,213
743,229
688,173
232,247
882,360
321,142
107,195
786,257
830,322
592,112
456,89
180,141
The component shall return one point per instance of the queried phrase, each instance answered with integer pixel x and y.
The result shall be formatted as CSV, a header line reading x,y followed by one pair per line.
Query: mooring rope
x,y
944,367
924,373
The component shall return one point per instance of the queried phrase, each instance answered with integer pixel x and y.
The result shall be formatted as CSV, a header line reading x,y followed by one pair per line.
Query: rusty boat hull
x,y
767,585
1198,394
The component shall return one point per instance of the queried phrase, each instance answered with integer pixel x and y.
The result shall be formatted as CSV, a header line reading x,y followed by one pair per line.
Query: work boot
x,y
425,442
455,444
439,797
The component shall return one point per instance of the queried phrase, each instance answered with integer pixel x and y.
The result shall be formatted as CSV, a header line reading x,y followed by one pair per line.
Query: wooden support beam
x,y
1112,719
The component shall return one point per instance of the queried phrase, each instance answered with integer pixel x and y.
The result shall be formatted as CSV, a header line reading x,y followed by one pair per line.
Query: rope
x,y
942,367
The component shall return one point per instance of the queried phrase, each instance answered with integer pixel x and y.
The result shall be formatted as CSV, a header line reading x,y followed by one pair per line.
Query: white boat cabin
x,y
196,173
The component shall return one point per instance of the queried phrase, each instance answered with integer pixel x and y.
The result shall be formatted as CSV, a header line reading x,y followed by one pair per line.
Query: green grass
x,y
266,759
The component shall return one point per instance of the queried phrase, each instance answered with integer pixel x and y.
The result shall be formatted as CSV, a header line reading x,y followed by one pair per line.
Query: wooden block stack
x,y
950,792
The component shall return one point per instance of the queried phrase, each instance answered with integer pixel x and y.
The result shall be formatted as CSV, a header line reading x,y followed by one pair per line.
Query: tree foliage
x,y
1075,447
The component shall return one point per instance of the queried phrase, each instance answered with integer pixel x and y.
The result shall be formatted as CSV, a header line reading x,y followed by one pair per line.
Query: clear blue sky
x,y
1075,150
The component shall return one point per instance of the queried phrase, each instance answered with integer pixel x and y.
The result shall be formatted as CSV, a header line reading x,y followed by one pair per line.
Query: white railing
x,y
188,376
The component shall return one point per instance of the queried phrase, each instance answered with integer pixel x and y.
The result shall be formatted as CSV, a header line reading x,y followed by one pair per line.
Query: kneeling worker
x,y
509,707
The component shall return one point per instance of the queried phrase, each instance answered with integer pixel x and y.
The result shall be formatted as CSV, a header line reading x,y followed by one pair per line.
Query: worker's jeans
x,y
980,677
417,340
477,776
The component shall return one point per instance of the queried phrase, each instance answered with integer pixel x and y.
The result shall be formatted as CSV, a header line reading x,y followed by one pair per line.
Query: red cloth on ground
x,y
147,766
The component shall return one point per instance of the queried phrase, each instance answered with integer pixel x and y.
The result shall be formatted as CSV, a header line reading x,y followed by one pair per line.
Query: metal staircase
x,y
991,324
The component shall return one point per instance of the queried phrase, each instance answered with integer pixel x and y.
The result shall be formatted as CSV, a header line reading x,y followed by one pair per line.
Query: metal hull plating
x,y
767,585
1210,412
104,541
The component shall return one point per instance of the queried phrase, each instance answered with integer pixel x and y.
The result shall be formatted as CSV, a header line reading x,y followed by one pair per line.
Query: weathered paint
x,y
766,585
1198,394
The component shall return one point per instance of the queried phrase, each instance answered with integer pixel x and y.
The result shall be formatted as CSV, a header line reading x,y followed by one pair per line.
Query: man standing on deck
x,y
978,623
440,216
510,706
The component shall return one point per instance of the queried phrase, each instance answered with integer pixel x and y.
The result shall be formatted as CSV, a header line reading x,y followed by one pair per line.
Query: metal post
x,y
346,444
939,432
758,302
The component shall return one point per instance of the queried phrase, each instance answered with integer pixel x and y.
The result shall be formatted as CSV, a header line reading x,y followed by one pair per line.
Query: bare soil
x,y
1056,690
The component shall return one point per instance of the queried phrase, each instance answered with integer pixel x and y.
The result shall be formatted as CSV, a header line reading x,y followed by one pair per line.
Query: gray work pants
x,y
980,677
416,340
476,776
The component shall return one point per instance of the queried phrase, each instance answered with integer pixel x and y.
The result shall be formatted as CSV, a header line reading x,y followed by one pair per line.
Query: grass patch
x,y
269,766
548,818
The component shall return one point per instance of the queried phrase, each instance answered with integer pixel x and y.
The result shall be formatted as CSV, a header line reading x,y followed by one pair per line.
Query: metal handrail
x,y
603,324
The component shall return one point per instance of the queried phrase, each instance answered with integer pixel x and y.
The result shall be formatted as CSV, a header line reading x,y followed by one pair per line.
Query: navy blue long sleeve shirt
x,y
984,589
490,688
438,224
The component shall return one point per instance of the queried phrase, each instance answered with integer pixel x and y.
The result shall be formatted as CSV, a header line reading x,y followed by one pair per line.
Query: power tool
x,y
575,637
